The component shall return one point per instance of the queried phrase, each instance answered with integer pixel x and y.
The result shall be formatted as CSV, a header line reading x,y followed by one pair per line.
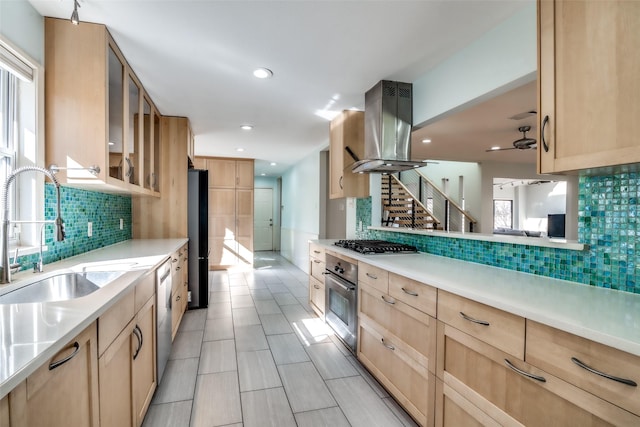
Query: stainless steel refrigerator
x,y
198,226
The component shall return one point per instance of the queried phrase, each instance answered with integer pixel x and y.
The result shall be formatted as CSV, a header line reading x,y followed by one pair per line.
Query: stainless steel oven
x,y
341,299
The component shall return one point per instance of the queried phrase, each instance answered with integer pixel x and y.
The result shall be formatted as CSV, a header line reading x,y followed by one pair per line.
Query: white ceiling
x,y
465,136
195,59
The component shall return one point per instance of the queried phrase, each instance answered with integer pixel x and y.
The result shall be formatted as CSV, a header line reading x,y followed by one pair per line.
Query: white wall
x,y
502,59
23,26
300,209
452,171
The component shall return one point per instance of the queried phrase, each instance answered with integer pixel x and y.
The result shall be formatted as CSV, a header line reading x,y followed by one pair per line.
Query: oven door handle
x,y
337,282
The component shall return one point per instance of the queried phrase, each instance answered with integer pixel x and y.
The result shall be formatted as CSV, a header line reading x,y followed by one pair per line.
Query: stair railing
x,y
415,203
454,217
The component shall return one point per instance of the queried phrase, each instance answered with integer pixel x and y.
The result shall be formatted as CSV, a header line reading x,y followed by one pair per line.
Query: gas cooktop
x,y
376,246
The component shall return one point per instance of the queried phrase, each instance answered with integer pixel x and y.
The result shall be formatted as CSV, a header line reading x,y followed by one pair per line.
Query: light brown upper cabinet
x,y
98,113
230,210
346,130
589,91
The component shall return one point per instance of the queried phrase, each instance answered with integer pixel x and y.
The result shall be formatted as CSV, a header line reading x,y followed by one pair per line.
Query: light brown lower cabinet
x,y
127,368
396,342
317,296
4,411
482,385
63,391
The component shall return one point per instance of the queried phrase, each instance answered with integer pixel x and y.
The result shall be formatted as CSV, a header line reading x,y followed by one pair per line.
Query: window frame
x,y
510,201
27,200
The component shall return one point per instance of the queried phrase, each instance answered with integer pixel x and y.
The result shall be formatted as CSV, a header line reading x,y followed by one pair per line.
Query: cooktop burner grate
x,y
375,246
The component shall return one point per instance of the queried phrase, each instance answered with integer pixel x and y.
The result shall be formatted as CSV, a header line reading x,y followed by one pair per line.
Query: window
x,y
20,141
502,214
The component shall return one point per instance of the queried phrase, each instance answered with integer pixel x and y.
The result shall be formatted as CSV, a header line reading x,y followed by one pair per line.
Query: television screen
x,y
555,225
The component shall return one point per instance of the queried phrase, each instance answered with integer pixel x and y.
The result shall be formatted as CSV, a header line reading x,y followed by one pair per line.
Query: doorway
x,y
263,219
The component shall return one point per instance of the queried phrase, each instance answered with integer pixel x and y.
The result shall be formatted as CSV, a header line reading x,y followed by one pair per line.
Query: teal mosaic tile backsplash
x,y
78,208
607,222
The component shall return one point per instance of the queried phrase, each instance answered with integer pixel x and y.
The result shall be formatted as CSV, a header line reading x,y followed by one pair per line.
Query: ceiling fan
x,y
523,143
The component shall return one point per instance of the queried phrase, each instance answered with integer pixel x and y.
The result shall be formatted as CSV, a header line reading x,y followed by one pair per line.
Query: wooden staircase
x,y
402,209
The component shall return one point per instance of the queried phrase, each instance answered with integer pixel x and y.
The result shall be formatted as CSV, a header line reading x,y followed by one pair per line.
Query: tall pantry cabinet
x,y
230,211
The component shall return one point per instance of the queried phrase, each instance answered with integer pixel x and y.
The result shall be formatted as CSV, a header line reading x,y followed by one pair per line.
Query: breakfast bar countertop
x,y
33,333
606,316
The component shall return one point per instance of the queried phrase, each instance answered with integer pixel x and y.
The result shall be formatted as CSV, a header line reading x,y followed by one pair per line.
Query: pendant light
x,y
75,19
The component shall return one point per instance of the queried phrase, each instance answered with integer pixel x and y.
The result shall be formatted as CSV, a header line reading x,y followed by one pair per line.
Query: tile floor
x,y
258,357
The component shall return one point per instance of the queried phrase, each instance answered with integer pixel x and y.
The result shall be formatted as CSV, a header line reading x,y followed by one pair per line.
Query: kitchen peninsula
x,y
553,341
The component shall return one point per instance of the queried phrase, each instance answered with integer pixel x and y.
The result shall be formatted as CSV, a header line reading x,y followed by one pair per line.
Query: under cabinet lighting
x,y
246,127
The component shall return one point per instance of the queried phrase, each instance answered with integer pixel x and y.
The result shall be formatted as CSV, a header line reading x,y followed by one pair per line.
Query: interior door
x,y
263,219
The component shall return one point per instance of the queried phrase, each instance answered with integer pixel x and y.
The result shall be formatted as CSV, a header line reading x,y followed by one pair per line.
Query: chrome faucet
x,y
5,269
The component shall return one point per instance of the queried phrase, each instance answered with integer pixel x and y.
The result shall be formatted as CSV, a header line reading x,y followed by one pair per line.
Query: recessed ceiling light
x,y
239,149
426,141
495,148
246,127
112,143
273,163
263,174
262,73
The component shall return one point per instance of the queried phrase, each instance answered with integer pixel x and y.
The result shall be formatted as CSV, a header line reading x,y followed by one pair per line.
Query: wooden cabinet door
x,y
244,174
588,85
62,392
144,361
222,173
346,130
244,225
317,296
116,400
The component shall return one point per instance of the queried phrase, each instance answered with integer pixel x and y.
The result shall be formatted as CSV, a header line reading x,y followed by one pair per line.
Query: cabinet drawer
x,y
496,327
317,295
176,312
481,374
374,276
145,289
317,267
412,329
555,351
316,251
411,385
416,294
114,320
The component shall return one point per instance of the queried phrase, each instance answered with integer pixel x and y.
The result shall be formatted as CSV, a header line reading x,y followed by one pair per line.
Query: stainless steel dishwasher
x,y
163,317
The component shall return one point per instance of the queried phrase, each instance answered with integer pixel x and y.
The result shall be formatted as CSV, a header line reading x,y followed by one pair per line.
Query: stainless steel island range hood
x,y
388,118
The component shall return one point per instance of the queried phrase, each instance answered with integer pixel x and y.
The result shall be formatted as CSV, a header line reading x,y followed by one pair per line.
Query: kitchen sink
x,y
60,287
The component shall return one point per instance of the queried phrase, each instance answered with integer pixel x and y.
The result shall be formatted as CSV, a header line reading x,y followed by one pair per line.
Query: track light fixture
x,y
75,19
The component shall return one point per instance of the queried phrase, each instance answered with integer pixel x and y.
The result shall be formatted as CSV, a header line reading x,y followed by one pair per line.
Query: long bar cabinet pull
x,y
524,373
545,145
138,333
471,319
388,301
389,346
604,374
372,276
54,365
413,294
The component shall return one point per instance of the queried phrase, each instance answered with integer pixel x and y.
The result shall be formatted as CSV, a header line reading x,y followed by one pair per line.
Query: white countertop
x,y
544,242
603,315
31,334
